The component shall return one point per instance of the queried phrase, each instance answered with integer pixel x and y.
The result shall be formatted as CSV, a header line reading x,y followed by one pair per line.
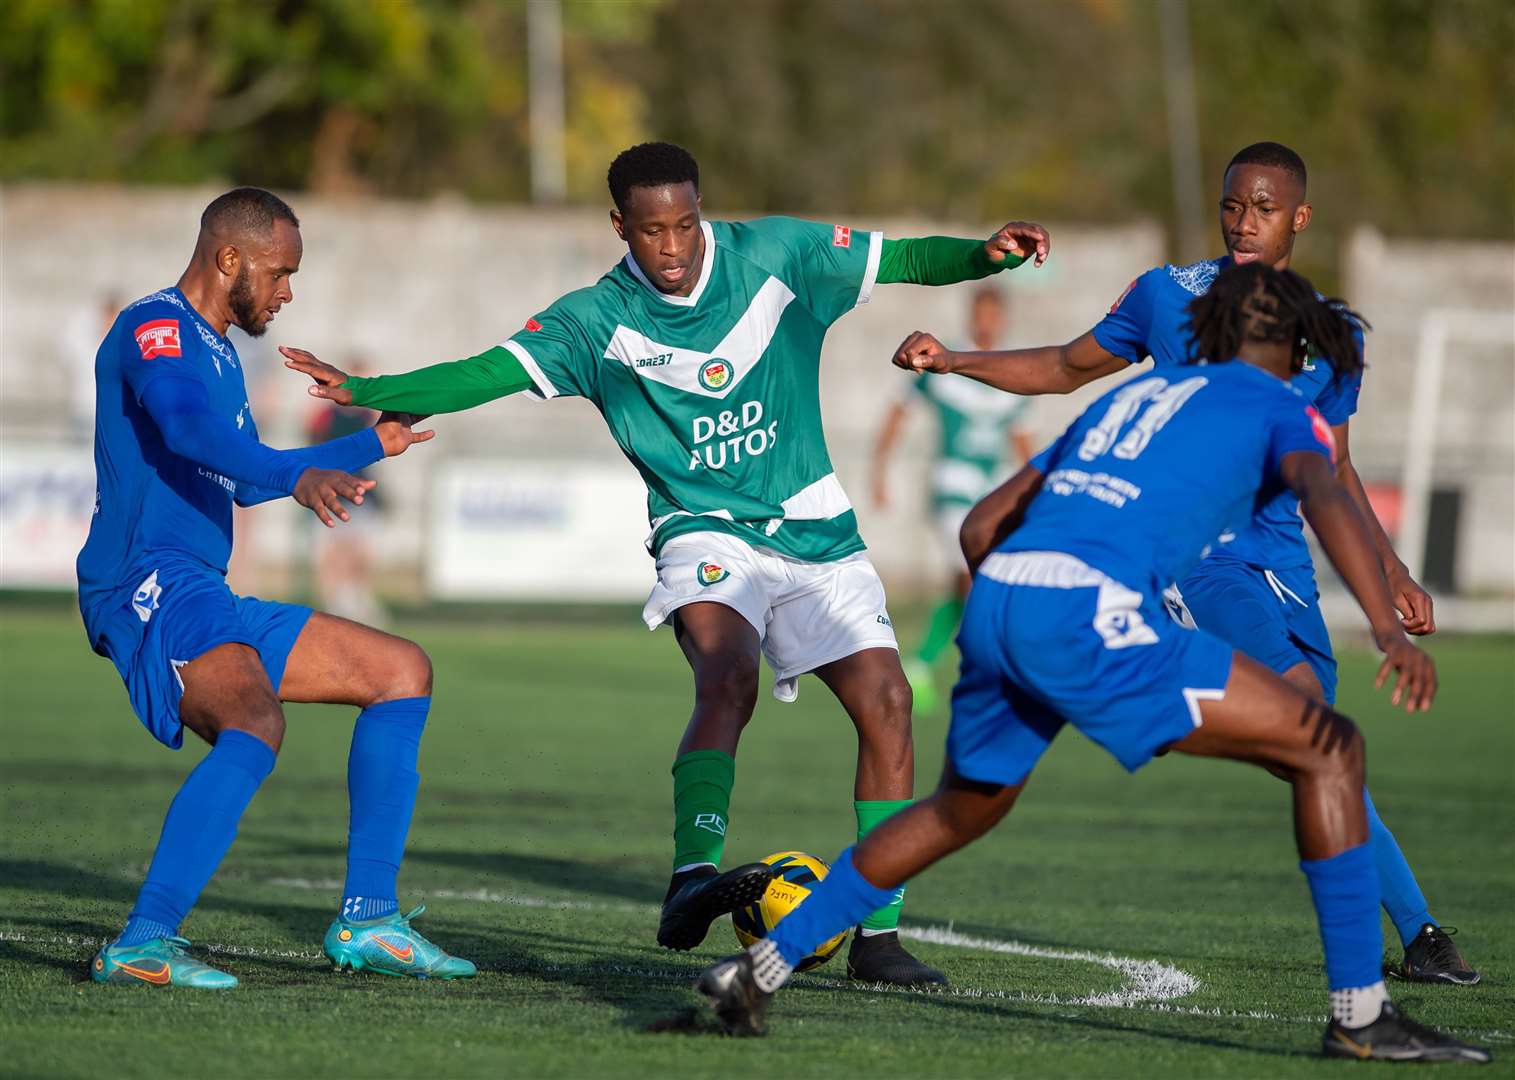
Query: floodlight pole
x,y
1183,127
544,61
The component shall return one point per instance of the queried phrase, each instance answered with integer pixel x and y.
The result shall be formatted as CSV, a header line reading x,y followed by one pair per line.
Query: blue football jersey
x,y
1147,478
1151,319
152,505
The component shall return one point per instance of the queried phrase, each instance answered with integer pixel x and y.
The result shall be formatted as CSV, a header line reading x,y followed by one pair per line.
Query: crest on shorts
x,y
715,374
710,573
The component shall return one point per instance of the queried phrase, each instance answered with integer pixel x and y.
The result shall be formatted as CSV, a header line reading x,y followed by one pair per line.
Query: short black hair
x,y
650,164
1274,156
246,211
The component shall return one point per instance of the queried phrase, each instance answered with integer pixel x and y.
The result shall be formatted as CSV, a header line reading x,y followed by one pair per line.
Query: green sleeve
x,y
939,260
443,388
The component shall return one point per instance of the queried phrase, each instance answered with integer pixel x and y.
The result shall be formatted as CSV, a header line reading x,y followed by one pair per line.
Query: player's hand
x,y
1415,682
396,432
328,380
922,352
1023,238
322,491
1413,602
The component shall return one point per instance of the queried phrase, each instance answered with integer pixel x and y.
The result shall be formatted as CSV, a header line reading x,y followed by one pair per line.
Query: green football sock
x,y
944,619
869,814
702,782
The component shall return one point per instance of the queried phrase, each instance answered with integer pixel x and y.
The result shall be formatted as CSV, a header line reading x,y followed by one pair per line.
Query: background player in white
x,y
978,431
701,349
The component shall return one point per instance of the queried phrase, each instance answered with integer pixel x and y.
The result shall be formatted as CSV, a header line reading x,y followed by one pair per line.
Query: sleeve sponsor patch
x,y
160,337
841,236
1322,431
1121,299
533,325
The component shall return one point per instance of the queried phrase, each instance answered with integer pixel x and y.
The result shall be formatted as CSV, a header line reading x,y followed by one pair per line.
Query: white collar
x,y
706,264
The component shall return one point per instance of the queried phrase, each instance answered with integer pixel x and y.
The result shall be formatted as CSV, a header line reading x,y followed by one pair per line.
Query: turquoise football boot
x,y
391,946
160,962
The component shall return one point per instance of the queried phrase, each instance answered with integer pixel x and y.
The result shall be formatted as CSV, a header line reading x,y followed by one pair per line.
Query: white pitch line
x,y
1147,980
1019,996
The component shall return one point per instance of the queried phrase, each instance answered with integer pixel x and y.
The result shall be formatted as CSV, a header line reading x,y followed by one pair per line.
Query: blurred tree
x,y
968,109
403,97
1402,108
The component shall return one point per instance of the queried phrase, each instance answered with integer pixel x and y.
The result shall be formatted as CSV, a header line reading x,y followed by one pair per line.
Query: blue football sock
x,y
381,790
197,832
1345,890
1402,897
843,899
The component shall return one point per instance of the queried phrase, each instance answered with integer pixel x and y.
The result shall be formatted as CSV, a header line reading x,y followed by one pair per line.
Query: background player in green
x,y
701,349
977,428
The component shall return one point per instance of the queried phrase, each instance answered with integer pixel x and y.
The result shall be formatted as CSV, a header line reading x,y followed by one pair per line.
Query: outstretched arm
x,y
997,514
1412,601
440,388
1339,525
395,431
1052,369
180,407
946,260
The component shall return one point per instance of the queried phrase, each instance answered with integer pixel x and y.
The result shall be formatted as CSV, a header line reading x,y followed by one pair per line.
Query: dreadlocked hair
x,y
1253,302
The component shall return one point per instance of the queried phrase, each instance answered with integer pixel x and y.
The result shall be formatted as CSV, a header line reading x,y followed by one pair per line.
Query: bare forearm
x,y
1352,483
1050,369
1339,525
997,514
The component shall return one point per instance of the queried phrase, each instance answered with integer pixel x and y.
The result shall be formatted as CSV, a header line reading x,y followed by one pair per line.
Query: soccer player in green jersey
x,y
701,349
978,428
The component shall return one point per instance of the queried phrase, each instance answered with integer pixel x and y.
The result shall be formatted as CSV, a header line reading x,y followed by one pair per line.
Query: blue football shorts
x,y
1047,640
176,614
1271,615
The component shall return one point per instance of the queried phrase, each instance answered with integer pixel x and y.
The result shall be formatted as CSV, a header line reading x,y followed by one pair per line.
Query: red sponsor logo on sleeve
x,y
841,236
1322,430
533,325
1121,299
160,337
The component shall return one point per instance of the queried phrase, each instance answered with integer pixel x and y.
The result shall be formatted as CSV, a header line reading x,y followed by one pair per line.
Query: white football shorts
x,y
807,614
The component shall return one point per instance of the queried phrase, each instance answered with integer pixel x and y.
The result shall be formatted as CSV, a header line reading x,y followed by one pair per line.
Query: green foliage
x,y
963,109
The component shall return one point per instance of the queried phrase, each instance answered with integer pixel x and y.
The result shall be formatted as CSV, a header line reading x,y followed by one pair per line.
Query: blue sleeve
x,y
1125,331
1337,402
1295,426
349,454
151,343
180,407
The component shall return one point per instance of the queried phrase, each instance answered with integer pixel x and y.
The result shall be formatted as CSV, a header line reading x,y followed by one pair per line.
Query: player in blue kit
x,y
1066,623
1257,590
175,447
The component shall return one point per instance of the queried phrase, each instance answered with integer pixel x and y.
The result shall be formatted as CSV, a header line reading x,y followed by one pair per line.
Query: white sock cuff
x,y
769,970
1358,1006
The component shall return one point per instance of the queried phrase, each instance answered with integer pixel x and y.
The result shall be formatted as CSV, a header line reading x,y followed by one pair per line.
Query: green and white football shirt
x,y
715,397
973,449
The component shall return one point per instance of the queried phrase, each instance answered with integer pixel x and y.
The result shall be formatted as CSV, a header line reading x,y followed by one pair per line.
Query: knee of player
x,y
1337,743
729,682
260,716
410,673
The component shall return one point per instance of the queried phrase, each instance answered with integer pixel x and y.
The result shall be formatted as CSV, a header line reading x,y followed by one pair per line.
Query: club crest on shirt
x,y
715,374
710,573
158,337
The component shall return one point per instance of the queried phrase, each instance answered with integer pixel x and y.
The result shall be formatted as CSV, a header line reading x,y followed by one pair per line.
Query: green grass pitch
x,y
540,848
